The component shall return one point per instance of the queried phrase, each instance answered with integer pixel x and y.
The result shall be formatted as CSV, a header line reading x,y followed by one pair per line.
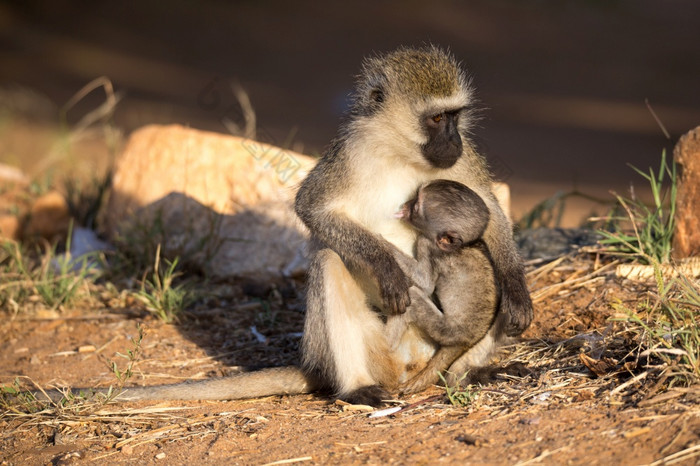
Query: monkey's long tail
x,y
288,380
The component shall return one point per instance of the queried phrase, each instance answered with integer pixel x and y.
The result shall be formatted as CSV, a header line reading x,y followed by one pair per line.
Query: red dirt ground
x,y
559,414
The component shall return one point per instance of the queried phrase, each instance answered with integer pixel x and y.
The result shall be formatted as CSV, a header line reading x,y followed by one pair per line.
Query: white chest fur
x,y
378,192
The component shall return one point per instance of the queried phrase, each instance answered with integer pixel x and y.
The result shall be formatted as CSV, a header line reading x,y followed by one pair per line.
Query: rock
x,y
686,237
550,243
10,174
49,218
502,193
13,201
84,248
221,203
10,227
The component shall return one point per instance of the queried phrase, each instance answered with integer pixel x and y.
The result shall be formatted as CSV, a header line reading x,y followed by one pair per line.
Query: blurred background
x,y
563,84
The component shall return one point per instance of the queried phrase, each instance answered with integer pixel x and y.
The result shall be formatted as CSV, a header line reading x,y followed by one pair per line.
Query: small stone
x,y
502,192
127,449
87,349
58,438
468,439
213,197
160,456
358,408
49,217
10,174
549,243
10,226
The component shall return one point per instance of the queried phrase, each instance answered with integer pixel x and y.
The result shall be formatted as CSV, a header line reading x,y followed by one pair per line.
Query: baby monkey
x,y
455,299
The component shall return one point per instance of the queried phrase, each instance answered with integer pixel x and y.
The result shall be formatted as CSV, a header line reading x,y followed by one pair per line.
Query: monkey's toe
x,y
475,376
372,395
518,322
414,386
420,382
487,375
516,369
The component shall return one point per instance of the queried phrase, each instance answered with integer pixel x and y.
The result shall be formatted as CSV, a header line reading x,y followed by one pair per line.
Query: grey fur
x,y
265,382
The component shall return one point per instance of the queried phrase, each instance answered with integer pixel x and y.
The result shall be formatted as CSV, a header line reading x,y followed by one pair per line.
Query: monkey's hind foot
x,y
420,382
372,395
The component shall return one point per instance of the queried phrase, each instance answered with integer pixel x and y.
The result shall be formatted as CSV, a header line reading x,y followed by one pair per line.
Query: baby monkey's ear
x,y
449,241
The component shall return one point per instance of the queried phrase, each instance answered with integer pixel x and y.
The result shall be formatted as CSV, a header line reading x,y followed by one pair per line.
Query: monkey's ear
x,y
449,241
377,95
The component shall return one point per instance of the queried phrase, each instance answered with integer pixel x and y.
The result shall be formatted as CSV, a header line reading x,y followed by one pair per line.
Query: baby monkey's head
x,y
447,212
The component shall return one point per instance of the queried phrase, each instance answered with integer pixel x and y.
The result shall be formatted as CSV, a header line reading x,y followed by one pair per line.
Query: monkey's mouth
x,y
443,152
444,158
446,162
402,213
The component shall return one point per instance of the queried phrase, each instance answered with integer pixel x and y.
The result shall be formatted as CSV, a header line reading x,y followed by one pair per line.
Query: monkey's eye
x,y
438,118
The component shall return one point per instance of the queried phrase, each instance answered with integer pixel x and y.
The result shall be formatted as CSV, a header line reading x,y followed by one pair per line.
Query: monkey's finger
x,y
397,305
397,302
395,296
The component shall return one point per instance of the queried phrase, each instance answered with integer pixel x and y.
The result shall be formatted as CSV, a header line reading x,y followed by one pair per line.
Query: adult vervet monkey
x,y
408,124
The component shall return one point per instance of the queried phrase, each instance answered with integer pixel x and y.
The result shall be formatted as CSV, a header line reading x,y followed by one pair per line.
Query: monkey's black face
x,y
444,144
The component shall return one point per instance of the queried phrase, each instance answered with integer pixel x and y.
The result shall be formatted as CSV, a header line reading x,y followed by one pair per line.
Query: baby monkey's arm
x,y
419,270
